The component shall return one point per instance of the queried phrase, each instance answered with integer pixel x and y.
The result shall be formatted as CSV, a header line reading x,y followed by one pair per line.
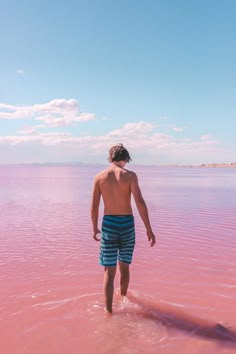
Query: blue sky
x,y
79,76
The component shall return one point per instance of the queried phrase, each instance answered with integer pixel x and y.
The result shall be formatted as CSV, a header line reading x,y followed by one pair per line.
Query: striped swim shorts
x,y
118,239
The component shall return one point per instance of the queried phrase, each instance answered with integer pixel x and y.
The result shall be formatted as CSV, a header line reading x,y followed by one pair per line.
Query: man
x,y
116,184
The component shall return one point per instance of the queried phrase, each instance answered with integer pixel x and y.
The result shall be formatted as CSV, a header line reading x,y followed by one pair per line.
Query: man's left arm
x,y
96,196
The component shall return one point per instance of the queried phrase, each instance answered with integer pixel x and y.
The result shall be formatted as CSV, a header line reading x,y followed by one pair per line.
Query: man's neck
x,y
117,164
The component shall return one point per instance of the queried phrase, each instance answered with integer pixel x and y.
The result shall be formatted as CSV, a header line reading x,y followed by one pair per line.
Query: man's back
x,y
115,186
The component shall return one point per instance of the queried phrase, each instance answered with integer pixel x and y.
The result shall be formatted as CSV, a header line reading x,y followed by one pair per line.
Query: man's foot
x,y
109,312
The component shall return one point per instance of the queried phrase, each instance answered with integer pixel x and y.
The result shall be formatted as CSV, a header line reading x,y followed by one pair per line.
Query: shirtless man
x,y
116,184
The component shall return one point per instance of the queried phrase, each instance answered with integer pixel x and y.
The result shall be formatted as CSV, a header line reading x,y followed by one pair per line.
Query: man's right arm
x,y
96,195
142,208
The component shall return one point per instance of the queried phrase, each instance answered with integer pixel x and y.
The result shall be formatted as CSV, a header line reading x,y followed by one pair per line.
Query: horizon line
x,y
212,164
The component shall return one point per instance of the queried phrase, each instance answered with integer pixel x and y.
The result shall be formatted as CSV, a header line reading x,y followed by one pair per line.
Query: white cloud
x,y
205,137
146,145
175,128
56,113
84,117
27,130
145,140
20,72
139,130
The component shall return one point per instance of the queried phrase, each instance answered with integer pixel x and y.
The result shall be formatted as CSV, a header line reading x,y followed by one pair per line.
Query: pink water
x,y
51,298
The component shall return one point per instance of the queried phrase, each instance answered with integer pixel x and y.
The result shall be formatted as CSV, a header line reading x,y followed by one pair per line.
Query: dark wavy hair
x,y
119,153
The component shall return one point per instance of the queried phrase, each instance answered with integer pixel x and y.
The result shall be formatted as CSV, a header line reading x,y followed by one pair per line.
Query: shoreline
x,y
227,165
203,165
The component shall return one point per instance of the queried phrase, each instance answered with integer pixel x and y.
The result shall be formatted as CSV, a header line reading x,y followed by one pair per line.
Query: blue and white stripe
x,y
118,239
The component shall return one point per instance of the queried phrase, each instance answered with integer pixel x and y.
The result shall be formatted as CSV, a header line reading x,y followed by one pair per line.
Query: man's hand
x,y
95,233
151,238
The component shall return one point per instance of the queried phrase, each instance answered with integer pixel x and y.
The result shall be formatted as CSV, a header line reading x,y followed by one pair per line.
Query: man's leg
x,y
126,247
108,286
124,278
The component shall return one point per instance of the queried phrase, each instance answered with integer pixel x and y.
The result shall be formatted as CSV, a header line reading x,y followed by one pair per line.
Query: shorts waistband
x,y
118,216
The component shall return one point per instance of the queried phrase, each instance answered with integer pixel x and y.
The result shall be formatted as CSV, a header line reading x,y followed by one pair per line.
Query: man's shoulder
x,y
130,176
130,173
101,174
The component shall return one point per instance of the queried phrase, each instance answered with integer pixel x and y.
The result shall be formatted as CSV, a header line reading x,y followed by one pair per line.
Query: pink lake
x,y
51,299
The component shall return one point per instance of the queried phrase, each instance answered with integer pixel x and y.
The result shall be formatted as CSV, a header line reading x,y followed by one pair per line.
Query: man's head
x,y
119,153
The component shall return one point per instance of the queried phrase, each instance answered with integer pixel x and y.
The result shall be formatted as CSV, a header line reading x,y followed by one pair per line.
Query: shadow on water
x,y
173,317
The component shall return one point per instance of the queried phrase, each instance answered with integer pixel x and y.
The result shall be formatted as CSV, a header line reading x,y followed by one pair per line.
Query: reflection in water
x,y
174,317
